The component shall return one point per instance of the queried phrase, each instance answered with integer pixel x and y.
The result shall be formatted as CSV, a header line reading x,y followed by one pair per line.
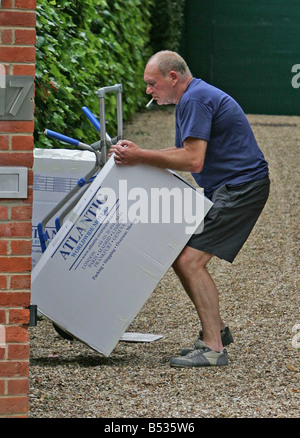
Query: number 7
x,y
10,103
25,85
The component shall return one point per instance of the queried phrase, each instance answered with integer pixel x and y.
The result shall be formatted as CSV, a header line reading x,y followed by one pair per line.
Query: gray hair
x,y
167,60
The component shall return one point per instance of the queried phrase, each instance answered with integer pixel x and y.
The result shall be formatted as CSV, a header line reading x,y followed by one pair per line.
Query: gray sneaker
x,y
226,338
203,356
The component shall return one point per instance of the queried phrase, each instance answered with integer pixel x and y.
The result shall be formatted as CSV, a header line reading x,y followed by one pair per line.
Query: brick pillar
x,y
17,55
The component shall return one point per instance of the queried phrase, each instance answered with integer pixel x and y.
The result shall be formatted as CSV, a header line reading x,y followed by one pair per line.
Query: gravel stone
x,y
259,299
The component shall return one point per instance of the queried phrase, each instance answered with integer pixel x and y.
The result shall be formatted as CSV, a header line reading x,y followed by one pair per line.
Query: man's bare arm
x,y
190,158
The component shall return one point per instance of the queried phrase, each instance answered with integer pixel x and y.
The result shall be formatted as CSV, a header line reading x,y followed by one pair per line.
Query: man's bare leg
x,y
190,266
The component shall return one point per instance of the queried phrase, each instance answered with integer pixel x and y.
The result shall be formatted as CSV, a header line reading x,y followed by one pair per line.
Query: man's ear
x,y
174,76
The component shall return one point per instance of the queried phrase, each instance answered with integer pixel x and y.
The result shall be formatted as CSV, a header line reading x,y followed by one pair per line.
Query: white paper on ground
x,y
139,337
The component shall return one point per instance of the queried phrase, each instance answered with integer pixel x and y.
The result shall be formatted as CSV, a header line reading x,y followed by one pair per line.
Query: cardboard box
x,y
113,250
56,172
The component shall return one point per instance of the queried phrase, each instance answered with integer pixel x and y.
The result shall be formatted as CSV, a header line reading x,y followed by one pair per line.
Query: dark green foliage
x,y
83,45
167,22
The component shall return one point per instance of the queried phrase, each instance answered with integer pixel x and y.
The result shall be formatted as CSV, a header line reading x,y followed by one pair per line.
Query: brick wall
x,y
17,54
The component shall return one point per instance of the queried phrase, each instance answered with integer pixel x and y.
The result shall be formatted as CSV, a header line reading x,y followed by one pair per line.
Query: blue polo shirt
x,y
233,156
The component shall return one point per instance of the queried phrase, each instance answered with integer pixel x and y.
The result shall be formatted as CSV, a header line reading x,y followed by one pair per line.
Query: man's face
x,y
160,87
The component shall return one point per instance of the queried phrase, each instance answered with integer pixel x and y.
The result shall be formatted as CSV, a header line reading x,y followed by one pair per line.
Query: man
x,y
214,141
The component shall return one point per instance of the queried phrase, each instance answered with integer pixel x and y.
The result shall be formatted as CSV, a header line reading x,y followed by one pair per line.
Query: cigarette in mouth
x,y
149,103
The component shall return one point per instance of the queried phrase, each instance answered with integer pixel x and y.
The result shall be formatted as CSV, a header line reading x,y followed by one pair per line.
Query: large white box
x,y
112,251
56,172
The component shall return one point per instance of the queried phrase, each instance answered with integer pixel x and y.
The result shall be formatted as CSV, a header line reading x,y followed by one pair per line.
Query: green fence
x,y
248,48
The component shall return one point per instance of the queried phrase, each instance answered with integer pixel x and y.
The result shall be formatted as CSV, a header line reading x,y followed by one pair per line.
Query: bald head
x,y
167,77
167,61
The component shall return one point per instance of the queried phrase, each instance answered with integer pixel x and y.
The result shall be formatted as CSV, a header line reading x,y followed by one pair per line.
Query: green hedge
x,y
167,18
82,46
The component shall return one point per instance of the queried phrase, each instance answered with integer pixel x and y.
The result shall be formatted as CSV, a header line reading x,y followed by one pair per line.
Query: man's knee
x,y
190,259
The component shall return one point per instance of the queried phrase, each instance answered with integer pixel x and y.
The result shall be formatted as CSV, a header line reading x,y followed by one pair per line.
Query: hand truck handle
x,y
61,137
69,140
91,118
102,91
94,121
101,94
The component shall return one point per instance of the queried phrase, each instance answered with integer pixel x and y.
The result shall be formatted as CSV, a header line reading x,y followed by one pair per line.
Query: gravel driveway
x,y
259,299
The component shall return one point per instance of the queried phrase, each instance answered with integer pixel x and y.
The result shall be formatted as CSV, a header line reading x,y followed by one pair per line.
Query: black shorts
x,y
231,219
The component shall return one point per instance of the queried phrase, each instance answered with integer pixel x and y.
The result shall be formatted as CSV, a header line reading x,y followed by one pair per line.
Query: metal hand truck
x,y
100,150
